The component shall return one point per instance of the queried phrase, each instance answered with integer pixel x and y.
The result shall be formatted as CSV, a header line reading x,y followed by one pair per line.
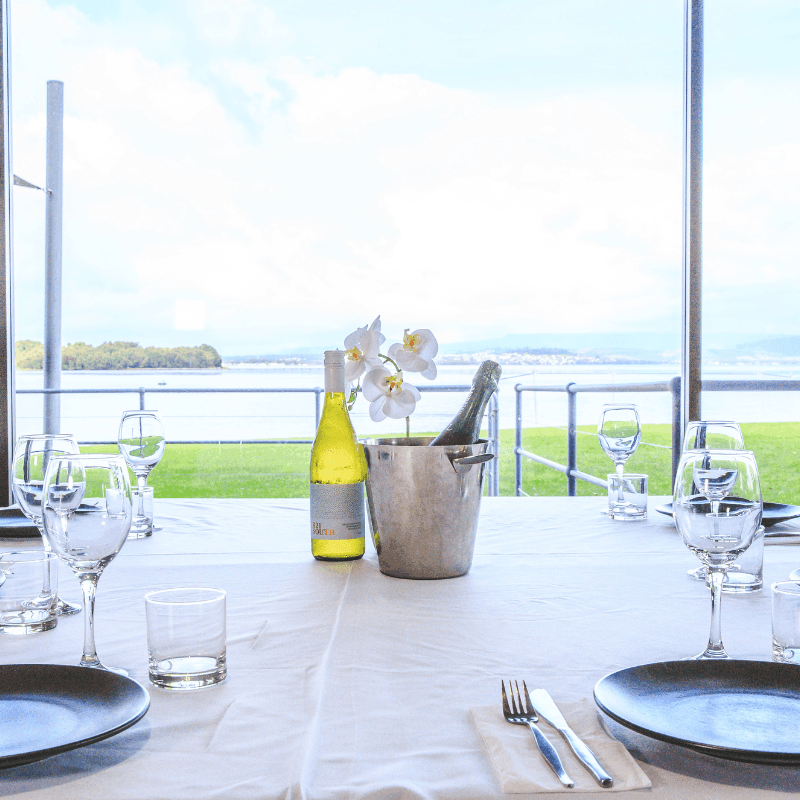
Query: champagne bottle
x,y
465,427
338,472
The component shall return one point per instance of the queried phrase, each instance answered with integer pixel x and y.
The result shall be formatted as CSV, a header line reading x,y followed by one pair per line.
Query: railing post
x,y
518,444
494,445
572,436
141,398
317,406
677,432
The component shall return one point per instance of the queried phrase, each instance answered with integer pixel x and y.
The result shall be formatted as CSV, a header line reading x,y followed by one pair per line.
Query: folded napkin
x,y
522,769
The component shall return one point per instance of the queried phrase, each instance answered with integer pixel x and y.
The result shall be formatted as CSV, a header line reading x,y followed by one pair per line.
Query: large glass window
x,y
751,239
264,177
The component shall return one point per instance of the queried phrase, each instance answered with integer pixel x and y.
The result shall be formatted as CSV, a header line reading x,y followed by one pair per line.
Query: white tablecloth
x,y
344,683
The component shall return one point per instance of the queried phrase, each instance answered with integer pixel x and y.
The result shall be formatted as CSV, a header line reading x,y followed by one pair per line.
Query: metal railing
x,y
493,416
570,469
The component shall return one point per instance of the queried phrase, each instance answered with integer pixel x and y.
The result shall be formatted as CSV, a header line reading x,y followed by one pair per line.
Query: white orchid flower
x,y
361,350
388,394
416,353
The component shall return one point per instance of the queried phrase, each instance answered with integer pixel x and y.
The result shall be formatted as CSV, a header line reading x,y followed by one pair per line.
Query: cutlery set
x,y
519,710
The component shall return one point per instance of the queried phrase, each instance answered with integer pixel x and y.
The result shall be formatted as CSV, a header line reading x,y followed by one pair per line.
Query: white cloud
x,y
318,200
190,315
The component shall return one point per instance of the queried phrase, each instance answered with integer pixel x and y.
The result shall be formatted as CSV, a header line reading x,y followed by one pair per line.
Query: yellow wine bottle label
x,y
337,510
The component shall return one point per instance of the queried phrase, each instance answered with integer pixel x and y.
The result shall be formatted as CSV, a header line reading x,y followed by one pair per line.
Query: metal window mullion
x,y
692,213
7,378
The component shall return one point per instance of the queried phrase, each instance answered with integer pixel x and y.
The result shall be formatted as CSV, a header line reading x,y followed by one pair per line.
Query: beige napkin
x,y
522,768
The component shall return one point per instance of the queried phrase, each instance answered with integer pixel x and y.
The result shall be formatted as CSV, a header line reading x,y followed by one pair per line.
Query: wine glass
x,y
141,443
87,516
711,435
717,509
619,432
32,454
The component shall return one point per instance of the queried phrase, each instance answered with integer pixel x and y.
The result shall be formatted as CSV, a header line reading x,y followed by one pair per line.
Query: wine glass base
x,y
697,574
736,581
64,608
98,665
717,655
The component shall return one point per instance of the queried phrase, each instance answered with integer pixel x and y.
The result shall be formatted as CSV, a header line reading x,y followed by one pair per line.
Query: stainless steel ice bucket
x,y
423,505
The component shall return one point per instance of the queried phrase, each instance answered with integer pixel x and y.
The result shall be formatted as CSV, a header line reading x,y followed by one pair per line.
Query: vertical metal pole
x,y
52,258
677,431
7,379
494,445
518,444
141,398
572,440
692,212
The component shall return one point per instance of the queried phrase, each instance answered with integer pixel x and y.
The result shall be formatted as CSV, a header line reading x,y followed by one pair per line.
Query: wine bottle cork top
x,y
334,358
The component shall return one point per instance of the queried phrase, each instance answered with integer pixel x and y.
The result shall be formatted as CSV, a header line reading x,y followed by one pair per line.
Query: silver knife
x,y
546,708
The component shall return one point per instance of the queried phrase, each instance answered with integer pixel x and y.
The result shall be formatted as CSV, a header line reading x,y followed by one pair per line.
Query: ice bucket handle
x,y
461,465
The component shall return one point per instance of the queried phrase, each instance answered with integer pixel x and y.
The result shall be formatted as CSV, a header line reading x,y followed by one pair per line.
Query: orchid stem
x,y
386,358
408,427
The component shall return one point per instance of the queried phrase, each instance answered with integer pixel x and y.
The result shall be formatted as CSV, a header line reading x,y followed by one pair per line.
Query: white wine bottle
x,y
465,427
338,472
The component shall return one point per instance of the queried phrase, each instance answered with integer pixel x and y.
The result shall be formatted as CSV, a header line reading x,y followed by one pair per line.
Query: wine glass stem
x,y
46,577
89,588
620,469
715,648
142,481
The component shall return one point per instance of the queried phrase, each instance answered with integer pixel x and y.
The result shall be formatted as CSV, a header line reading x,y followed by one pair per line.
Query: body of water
x,y
271,416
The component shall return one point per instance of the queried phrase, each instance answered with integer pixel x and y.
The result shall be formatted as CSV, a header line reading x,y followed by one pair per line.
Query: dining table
x,y
344,683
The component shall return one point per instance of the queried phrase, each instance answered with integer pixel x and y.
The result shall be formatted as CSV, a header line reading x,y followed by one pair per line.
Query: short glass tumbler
x,y
786,622
746,573
29,594
186,637
633,505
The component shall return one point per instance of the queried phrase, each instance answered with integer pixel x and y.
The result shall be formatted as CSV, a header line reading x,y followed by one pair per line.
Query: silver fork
x,y
518,714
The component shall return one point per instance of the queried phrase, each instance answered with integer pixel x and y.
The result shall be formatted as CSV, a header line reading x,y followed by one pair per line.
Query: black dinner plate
x,y
738,710
51,708
15,525
773,513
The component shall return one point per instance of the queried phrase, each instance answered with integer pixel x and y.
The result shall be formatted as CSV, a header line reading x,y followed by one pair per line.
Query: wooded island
x,y
119,355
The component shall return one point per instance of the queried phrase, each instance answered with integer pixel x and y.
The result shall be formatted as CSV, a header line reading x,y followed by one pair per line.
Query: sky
x,y
263,175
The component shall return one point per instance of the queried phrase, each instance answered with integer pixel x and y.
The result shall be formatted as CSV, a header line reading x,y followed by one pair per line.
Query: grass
x,y
233,470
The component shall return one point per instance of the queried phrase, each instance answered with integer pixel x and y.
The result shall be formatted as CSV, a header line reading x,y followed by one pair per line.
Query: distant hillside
x,y
119,355
641,346
787,346
518,342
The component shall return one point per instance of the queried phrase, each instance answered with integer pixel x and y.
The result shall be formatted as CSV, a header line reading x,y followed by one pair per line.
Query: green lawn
x,y
233,470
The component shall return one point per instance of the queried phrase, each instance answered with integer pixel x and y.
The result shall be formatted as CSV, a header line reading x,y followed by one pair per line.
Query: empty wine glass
x,y
32,454
141,443
717,508
87,517
711,435
619,432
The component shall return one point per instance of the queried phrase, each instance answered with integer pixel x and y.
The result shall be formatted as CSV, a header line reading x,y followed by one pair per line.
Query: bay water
x,y
230,416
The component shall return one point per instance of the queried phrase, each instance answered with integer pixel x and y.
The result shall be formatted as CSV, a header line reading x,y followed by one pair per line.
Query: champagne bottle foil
x,y
465,427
